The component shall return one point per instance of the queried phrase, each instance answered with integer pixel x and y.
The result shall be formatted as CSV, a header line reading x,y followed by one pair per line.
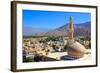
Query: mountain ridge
x,y
79,30
82,29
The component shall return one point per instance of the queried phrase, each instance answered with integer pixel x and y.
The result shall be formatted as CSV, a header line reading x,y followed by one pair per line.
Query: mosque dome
x,y
76,49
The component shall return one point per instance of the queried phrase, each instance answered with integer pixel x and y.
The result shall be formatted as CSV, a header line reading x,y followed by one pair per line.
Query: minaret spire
x,y
71,29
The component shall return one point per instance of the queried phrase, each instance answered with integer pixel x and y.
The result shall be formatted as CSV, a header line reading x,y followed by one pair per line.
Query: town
x,y
34,48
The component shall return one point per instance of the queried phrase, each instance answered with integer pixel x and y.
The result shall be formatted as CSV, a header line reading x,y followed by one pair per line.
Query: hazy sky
x,y
52,19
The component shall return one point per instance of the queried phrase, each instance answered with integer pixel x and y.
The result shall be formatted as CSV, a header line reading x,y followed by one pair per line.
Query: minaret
x,y
71,29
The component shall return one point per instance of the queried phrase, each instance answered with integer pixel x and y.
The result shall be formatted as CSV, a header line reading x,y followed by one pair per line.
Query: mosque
x,y
75,48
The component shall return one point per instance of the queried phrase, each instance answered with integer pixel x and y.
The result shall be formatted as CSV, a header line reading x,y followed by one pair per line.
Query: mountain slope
x,y
83,29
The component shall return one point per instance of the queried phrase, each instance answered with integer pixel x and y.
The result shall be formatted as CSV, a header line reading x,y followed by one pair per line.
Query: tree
x,y
27,59
65,47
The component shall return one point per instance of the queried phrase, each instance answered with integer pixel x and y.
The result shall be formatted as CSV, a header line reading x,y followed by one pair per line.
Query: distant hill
x,y
82,29
30,31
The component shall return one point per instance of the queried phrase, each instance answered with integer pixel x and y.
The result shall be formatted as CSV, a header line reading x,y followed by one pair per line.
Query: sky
x,y
52,19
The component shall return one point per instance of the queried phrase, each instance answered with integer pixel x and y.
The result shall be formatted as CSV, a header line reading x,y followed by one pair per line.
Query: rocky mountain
x,y
83,29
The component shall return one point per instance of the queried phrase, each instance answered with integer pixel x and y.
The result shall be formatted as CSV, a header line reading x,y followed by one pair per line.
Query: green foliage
x,y
52,38
86,38
32,36
66,46
27,59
